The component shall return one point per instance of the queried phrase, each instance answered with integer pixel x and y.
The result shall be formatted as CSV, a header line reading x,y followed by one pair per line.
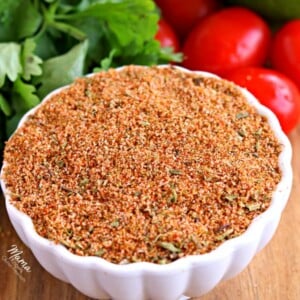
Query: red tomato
x,y
274,90
228,39
182,15
285,51
166,36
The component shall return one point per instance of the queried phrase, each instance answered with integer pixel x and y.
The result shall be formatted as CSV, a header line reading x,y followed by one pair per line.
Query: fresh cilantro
x,y
10,62
6,7
130,22
4,106
107,61
27,93
45,44
18,19
31,62
63,69
167,53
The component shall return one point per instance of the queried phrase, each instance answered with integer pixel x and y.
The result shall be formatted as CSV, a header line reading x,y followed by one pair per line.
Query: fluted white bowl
x,y
190,276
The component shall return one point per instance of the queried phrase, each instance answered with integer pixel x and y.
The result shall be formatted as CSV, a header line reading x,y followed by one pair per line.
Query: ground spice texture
x,y
143,164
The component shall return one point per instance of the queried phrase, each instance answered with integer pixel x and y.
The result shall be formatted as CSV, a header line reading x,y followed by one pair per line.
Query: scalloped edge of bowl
x,y
190,276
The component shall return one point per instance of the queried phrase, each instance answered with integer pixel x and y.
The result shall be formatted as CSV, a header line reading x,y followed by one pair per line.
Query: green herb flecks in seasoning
x,y
230,197
178,187
115,223
100,252
253,206
170,247
242,115
173,197
174,172
224,235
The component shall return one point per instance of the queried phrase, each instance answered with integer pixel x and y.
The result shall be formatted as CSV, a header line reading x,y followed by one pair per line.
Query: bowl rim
x,y
226,248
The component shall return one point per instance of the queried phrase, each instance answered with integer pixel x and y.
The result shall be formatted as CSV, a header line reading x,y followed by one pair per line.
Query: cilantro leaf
x,y
26,20
31,63
20,19
45,46
27,93
167,54
95,35
22,98
106,63
6,7
129,21
63,69
12,122
150,54
4,106
10,64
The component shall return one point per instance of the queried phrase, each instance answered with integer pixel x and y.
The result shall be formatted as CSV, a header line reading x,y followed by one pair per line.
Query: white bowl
x,y
190,276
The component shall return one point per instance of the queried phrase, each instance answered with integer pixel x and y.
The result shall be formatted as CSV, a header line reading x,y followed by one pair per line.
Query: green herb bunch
x,y
45,44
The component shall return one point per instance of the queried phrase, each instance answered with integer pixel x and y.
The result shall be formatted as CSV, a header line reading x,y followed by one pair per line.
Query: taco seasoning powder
x,y
143,164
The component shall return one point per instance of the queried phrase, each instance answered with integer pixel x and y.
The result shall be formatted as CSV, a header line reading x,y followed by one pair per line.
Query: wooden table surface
x,y
274,274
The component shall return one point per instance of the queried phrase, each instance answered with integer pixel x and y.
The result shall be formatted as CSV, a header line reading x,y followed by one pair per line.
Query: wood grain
x,y
274,274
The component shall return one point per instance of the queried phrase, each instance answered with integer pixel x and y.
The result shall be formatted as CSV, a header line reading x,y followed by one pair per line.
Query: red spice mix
x,y
143,164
